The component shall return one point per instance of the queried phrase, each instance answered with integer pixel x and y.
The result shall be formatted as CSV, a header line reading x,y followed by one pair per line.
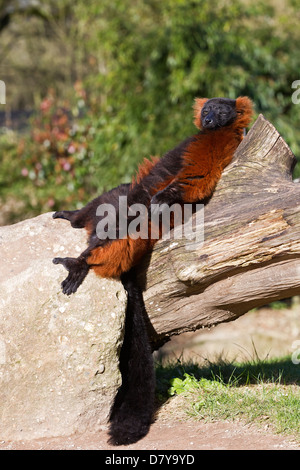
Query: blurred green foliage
x,y
132,69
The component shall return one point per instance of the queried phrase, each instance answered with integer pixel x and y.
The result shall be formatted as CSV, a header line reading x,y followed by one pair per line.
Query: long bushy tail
x,y
132,411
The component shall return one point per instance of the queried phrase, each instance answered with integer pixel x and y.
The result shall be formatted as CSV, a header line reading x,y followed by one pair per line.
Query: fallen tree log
x,y
251,249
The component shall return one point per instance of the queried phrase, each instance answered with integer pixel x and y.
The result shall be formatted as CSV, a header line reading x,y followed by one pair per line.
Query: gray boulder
x,y
58,355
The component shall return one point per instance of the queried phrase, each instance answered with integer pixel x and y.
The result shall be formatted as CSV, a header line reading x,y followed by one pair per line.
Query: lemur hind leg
x,y
73,217
78,269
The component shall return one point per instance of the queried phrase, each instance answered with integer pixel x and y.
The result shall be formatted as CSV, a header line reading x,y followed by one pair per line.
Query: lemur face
x,y
218,112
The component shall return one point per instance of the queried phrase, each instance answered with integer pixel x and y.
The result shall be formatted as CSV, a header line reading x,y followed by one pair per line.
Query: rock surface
x,y
58,355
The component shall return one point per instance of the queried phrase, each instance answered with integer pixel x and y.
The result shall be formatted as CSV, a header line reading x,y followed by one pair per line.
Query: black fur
x,y
218,112
78,270
168,166
131,414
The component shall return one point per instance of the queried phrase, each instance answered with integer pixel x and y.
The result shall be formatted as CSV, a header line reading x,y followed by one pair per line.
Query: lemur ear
x,y
199,103
244,109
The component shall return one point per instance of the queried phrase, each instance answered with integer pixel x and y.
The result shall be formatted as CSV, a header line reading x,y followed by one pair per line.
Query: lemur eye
x,y
204,112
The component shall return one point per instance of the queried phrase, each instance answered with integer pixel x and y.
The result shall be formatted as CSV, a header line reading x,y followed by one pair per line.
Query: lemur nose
x,y
208,120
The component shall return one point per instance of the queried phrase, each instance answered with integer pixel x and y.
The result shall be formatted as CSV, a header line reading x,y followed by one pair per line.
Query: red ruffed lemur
x,y
186,174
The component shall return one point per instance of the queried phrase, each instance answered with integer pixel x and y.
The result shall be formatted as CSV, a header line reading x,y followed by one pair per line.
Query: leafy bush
x,y
150,59
57,157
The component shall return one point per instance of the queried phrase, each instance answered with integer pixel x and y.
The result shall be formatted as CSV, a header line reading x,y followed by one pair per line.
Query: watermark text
x,y
296,94
2,92
296,352
159,221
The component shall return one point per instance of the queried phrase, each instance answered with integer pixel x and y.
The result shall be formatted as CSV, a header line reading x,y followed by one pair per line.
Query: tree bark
x,y
250,255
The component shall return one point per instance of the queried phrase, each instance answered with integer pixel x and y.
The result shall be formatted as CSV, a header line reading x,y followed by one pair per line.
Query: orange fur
x,y
198,105
117,257
212,151
216,154
144,169
244,108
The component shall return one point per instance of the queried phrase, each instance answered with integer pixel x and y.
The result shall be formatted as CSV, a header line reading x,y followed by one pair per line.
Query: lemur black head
x,y
215,113
218,112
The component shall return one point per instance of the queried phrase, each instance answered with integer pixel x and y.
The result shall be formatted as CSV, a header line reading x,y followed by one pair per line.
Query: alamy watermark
x,y
2,92
296,352
160,221
295,95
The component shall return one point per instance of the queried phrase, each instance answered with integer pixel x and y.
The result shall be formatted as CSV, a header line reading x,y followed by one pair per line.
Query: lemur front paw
x,y
78,270
71,283
157,201
165,196
163,199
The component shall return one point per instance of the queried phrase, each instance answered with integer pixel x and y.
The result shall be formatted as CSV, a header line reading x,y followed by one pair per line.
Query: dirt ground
x,y
271,332
170,435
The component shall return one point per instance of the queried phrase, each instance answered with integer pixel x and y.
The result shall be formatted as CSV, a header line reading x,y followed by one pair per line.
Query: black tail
x,y
131,413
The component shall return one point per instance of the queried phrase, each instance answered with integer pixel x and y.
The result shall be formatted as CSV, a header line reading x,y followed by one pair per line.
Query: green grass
x,y
257,392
